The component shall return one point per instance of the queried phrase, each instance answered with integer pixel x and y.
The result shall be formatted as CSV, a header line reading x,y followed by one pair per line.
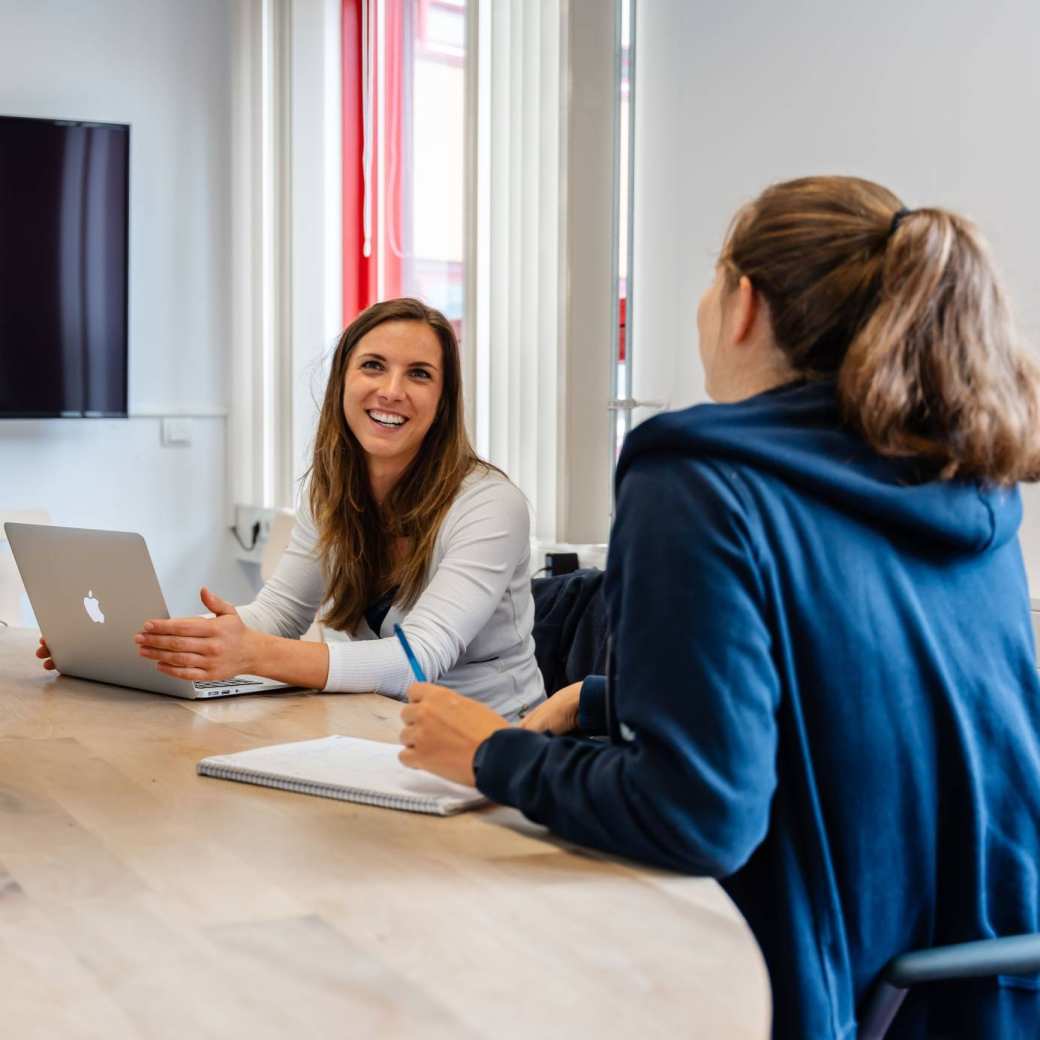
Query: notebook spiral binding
x,y
348,794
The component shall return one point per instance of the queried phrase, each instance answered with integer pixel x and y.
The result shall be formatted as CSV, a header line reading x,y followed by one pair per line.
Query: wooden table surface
x,y
138,899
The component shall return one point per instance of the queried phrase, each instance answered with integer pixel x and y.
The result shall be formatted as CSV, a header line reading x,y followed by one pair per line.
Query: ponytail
x,y
935,371
907,314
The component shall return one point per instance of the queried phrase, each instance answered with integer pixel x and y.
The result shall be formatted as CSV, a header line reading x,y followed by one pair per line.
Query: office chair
x,y
1013,955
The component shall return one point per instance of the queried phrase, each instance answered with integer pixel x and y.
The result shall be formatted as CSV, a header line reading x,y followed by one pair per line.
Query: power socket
x,y
174,431
252,526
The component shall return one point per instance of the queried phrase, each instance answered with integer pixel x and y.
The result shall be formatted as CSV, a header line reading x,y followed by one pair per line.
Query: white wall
x,y
937,99
163,67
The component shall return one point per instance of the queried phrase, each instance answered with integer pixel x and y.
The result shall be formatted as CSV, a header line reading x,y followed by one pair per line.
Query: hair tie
x,y
897,219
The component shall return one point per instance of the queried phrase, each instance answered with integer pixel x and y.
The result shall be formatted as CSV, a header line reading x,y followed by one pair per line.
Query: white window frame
x,y
541,299
541,275
285,239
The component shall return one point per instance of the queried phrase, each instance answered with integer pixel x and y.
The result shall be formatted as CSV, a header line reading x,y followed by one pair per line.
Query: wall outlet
x,y
253,527
175,432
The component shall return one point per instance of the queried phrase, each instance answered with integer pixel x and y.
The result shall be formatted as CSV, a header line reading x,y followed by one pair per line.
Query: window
x,y
516,101
622,386
404,153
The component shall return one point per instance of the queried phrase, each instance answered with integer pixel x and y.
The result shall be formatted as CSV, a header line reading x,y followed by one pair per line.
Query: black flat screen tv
x,y
64,223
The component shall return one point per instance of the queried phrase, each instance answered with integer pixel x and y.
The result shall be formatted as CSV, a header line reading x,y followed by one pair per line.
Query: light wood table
x,y
138,899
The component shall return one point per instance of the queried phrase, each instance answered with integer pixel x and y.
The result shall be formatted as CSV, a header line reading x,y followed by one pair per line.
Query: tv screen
x,y
64,203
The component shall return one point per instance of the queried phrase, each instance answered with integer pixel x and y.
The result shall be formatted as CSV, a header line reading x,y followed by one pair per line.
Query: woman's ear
x,y
745,309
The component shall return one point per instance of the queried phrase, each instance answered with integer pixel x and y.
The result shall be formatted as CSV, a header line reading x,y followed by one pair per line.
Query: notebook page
x,y
348,764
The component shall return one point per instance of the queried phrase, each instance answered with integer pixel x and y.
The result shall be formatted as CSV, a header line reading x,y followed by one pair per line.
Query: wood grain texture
x,y
138,899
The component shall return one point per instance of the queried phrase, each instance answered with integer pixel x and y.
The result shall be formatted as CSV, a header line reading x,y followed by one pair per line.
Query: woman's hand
x,y
200,648
559,714
442,731
45,655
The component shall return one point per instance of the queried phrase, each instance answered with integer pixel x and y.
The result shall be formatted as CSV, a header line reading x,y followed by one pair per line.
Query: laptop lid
x,y
91,592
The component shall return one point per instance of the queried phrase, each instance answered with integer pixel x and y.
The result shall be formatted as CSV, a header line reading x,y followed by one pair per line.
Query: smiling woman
x,y
390,396
403,524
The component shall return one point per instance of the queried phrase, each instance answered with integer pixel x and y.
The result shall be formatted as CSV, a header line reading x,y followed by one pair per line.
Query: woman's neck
x,y
383,474
756,370
759,382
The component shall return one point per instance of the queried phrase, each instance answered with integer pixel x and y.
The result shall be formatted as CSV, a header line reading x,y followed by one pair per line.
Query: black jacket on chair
x,y
570,627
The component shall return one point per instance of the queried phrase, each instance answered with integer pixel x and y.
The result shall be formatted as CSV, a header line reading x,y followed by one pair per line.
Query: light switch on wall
x,y
175,432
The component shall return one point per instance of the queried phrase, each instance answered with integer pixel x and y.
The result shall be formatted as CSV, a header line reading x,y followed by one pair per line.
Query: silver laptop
x,y
91,592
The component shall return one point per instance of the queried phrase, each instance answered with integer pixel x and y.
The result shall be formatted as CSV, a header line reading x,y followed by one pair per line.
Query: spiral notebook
x,y
347,768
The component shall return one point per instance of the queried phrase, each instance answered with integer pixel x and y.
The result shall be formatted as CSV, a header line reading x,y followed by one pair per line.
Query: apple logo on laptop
x,y
93,608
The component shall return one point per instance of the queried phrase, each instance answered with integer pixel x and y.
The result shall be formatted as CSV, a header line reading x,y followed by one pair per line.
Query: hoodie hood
x,y
795,433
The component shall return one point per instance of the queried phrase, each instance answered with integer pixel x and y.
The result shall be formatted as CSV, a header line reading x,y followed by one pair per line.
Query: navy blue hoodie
x,y
825,695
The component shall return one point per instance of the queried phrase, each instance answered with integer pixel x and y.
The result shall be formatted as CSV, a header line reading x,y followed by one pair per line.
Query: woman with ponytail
x,y
823,688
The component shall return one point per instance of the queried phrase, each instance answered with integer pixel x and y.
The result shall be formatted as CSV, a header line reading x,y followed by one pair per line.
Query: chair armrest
x,y
1012,955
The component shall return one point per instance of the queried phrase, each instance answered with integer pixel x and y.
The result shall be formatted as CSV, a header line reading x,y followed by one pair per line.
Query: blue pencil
x,y
403,639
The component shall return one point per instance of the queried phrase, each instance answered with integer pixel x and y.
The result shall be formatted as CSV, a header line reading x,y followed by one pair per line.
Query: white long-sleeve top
x,y
470,627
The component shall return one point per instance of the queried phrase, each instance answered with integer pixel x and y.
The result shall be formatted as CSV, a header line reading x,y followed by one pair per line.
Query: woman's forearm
x,y
295,661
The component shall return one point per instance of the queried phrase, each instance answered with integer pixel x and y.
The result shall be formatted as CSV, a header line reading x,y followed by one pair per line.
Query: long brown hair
x,y
907,314
355,535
